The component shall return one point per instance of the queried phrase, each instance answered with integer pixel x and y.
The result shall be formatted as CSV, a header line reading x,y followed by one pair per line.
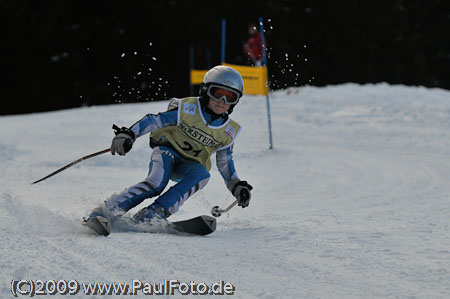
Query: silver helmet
x,y
224,76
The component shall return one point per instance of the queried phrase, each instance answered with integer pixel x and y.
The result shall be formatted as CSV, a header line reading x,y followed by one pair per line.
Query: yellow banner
x,y
197,76
255,78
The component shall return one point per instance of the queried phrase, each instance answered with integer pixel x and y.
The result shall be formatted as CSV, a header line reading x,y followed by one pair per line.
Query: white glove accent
x,y
121,144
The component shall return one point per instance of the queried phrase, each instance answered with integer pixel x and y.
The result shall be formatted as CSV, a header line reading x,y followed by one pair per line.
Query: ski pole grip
x,y
244,194
127,145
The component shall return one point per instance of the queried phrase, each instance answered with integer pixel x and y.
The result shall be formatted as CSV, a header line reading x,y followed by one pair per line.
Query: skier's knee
x,y
158,189
202,173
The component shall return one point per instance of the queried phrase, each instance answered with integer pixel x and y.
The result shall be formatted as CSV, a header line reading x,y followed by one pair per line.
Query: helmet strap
x,y
231,109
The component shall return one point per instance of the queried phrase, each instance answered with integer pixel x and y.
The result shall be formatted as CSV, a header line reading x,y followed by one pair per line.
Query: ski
x,y
99,224
200,225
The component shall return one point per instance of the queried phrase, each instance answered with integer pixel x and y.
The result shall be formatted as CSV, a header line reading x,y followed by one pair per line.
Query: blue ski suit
x,y
167,163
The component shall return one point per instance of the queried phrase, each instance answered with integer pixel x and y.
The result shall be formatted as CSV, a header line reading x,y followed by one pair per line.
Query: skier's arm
x,y
151,122
239,189
225,164
125,137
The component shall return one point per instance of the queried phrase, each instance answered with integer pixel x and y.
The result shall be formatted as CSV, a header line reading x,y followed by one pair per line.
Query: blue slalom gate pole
x,y
222,57
263,45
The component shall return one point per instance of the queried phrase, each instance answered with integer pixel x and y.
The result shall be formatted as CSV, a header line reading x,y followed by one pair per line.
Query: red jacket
x,y
253,46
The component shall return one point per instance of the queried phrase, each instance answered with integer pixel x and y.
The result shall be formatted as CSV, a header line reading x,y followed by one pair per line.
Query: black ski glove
x,y
241,190
123,141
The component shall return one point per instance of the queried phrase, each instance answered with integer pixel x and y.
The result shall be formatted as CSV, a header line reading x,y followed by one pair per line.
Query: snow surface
x,y
353,202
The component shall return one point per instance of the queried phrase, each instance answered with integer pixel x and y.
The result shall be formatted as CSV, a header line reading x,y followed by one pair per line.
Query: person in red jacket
x,y
253,48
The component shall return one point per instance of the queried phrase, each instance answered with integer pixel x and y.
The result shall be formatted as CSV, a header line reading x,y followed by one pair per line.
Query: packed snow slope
x,y
352,202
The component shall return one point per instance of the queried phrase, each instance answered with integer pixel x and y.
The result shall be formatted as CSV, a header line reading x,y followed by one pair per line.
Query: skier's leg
x,y
194,177
160,169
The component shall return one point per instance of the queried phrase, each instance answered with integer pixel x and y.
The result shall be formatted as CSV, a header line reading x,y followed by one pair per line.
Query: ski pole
x,y
217,212
72,164
116,131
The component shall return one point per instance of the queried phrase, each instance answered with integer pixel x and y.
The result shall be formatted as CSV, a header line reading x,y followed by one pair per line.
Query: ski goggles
x,y
219,93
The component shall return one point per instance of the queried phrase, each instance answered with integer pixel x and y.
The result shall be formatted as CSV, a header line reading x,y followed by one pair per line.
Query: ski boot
x,y
100,219
152,213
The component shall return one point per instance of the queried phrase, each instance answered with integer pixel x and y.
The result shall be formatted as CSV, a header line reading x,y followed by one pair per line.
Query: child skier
x,y
183,140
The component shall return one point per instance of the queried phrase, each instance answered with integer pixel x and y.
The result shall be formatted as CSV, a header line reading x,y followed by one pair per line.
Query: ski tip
x,y
99,224
210,222
200,225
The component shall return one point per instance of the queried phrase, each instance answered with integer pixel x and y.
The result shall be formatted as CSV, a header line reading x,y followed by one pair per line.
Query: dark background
x,y
61,54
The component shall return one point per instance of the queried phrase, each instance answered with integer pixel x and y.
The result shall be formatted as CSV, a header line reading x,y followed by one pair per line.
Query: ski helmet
x,y
222,76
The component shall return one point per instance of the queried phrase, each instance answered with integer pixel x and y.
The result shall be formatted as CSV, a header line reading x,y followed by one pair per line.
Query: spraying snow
x,y
352,202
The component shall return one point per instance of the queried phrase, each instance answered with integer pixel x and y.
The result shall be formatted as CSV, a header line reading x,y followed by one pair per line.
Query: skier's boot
x,y
100,220
153,213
